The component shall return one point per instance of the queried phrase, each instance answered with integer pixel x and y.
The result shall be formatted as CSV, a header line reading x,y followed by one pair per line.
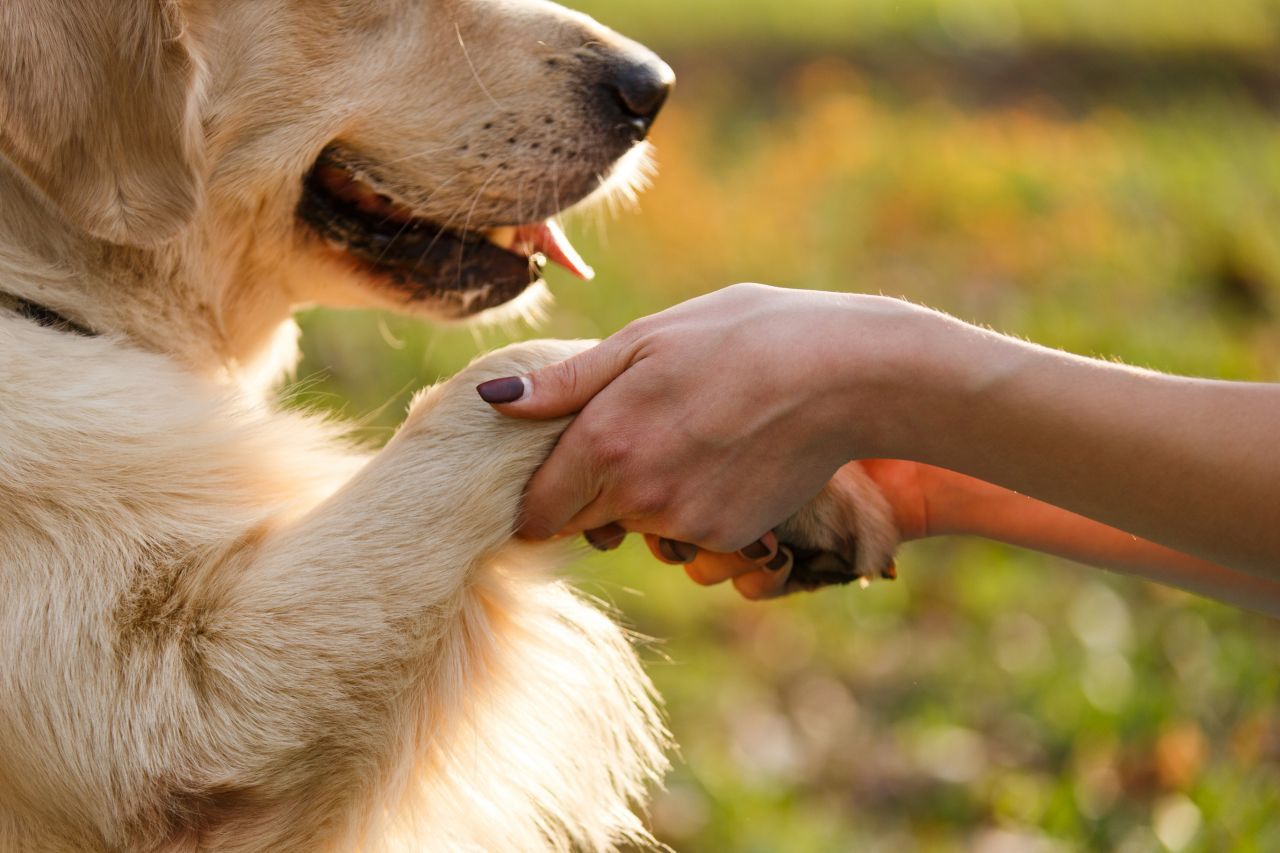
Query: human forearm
x,y
962,505
1183,462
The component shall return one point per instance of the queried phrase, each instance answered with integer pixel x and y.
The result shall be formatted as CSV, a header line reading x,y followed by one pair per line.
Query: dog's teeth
x,y
503,238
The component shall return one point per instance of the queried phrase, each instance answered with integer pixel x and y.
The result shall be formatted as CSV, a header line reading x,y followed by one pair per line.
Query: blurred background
x,y
1095,175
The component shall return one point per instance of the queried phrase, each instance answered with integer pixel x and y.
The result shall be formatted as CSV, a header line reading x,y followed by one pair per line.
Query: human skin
x,y
712,422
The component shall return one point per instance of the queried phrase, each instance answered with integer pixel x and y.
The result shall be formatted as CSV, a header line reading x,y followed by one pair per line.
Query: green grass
x,y
990,693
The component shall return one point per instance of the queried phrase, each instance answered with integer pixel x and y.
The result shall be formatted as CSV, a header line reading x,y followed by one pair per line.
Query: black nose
x,y
640,84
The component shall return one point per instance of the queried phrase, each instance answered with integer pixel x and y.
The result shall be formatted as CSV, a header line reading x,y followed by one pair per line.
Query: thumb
x,y
558,389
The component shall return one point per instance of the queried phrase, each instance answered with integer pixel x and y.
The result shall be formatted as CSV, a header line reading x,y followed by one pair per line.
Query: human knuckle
x,y
633,331
642,327
648,501
567,376
644,338
749,287
594,434
610,449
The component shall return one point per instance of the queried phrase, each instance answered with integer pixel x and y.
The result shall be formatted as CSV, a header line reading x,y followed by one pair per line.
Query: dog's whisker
x,y
434,241
400,233
466,54
466,225
426,152
475,200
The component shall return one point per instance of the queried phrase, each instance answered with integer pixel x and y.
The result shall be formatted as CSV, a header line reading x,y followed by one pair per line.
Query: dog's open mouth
x,y
462,270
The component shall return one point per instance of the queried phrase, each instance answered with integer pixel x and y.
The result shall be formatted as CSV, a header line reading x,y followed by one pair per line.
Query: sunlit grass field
x,y
1099,197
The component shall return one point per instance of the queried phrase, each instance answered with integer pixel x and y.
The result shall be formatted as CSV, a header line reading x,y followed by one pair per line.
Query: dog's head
x,y
400,153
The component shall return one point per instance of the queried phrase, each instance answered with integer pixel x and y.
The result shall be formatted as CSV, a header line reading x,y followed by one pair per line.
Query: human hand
x,y
709,423
714,421
848,534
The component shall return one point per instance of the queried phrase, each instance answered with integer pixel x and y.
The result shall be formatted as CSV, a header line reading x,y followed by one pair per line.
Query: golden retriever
x,y
224,628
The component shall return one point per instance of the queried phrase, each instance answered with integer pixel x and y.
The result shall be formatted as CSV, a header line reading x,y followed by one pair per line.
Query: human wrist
x,y
899,361
947,388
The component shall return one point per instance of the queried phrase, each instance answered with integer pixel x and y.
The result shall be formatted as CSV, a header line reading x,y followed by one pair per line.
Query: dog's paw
x,y
845,534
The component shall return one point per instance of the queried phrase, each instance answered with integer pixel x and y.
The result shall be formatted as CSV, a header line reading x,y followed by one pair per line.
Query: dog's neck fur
x,y
224,323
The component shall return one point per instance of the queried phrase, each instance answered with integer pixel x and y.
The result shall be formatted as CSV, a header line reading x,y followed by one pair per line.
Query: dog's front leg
x,y
211,644
391,644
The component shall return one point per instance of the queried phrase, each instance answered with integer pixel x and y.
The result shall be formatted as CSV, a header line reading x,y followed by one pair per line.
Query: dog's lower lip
x,y
420,258
385,214
415,258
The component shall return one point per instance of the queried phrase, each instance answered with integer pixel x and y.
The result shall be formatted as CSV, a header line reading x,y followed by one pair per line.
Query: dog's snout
x,y
639,85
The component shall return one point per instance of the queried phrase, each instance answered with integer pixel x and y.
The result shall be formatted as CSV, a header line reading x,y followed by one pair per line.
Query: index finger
x,y
559,491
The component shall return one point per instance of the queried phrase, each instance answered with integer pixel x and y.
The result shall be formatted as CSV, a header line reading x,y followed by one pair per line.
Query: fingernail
x,y
677,552
780,560
605,538
509,389
756,550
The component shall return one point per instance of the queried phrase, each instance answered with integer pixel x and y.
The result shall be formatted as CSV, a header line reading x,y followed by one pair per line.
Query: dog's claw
x,y
815,569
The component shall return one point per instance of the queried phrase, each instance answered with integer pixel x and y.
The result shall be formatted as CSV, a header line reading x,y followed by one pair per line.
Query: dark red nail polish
x,y
495,392
756,550
605,538
780,560
677,552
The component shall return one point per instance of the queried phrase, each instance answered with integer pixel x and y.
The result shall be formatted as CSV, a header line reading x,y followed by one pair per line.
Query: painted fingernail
x,y
509,389
605,538
756,550
677,552
890,572
780,560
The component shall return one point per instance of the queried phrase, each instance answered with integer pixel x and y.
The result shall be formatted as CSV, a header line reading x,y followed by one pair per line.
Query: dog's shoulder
x,y
100,431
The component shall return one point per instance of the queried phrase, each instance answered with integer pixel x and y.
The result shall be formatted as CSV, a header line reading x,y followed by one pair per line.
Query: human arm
x,y
714,421
1188,463
929,502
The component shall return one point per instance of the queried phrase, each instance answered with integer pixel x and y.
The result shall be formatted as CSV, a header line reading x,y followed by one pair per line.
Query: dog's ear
x,y
97,111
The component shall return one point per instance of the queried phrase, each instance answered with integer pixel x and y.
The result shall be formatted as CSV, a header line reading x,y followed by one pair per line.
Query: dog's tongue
x,y
550,239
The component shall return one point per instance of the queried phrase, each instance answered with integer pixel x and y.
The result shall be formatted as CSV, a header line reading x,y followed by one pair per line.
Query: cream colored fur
x,y
221,631
224,628
221,626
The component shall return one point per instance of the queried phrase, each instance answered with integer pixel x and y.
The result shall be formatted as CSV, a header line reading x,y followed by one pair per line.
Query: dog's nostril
x,y
642,87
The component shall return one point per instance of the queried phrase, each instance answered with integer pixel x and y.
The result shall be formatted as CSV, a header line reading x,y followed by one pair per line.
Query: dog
x,y
224,627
